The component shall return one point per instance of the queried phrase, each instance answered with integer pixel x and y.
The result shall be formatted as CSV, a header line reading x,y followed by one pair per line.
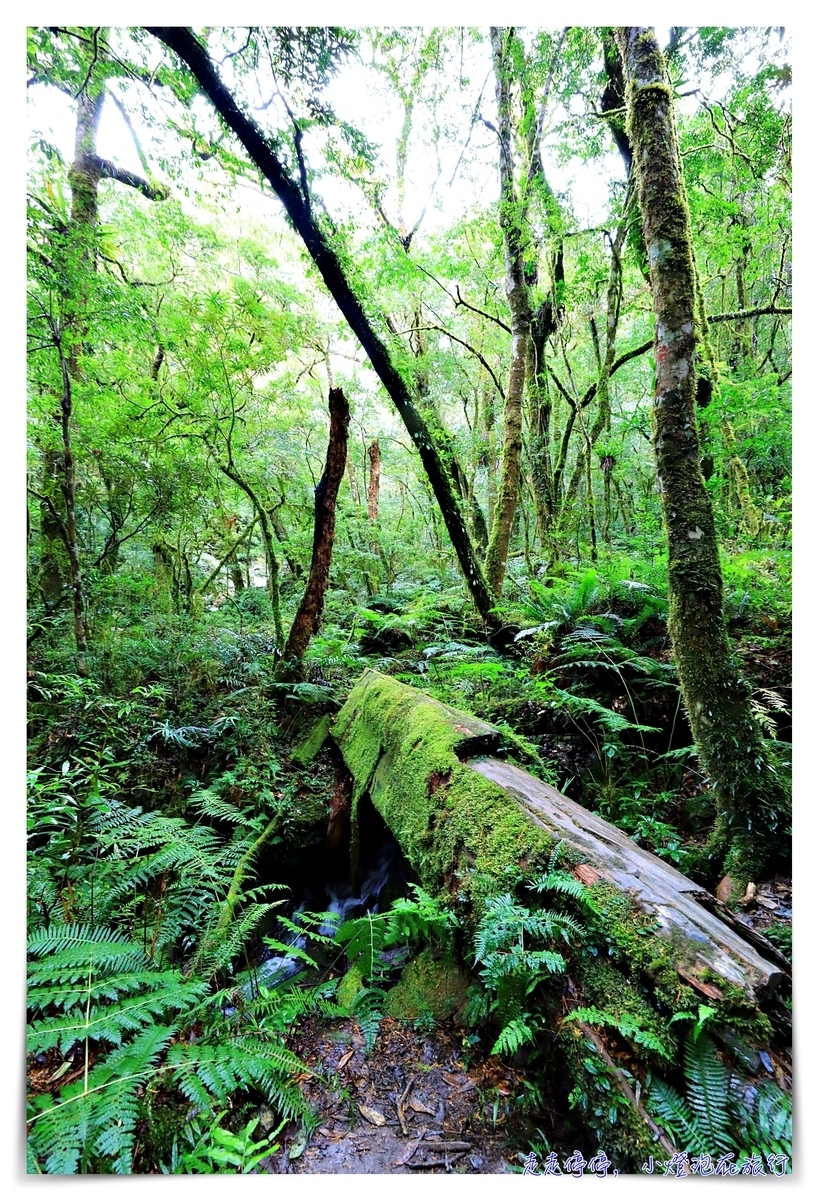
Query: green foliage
x,y
514,954
216,1149
416,921
716,1114
193,340
409,921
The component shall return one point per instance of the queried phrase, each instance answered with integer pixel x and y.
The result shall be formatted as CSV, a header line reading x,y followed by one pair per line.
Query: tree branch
x,y
769,311
471,349
153,191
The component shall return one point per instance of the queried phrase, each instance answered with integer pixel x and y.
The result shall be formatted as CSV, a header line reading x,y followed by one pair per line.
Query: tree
x,y
68,326
751,797
295,196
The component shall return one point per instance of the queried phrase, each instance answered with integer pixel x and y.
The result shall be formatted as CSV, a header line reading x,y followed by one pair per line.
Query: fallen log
x,y
461,824
706,944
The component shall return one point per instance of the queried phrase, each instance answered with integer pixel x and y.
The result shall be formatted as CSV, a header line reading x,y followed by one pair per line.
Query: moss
x,y
609,990
349,987
307,750
459,831
429,986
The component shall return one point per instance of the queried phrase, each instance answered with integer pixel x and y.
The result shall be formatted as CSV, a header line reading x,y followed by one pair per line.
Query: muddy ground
x,y
410,1106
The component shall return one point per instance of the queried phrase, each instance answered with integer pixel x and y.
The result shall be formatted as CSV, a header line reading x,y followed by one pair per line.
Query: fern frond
x,y
708,1083
674,1112
513,1035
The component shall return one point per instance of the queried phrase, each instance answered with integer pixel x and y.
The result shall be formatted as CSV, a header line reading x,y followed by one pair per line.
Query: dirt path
x,y
409,1106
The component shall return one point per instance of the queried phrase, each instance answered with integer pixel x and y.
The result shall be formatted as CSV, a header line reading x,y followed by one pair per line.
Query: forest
x,y
409,601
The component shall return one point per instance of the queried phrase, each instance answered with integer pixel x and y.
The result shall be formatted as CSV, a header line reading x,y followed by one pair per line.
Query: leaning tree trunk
x,y
751,799
305,622
298,205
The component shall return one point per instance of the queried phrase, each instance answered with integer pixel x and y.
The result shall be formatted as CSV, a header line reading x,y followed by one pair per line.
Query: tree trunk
x,y
52,544
298,206
353,484
751,799
511,224
281,533
374,489
84,182
235,573
305,622
418,759
269,546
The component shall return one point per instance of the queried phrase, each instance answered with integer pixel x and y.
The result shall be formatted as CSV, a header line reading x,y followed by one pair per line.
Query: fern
x,y
612,721
626,1024
708,1089
719,1114
513,1035
367,1010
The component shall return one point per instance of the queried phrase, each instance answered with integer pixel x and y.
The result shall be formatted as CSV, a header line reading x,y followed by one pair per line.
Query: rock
x,y
725,890
429,986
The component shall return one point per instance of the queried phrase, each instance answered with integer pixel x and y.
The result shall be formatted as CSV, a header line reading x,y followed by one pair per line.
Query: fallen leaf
x,y
419,1107
299,1144
372,1115
58,1074
345,1059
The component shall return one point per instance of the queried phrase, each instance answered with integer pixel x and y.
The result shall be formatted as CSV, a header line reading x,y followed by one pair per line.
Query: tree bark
x,y
374,489
305,622
517,293
297,204
751,799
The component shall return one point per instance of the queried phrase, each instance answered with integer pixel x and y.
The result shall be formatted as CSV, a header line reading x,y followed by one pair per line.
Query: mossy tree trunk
x,y
511,220
751,799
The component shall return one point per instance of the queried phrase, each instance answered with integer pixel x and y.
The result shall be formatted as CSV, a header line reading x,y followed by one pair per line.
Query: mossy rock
x,y
349,987
429,986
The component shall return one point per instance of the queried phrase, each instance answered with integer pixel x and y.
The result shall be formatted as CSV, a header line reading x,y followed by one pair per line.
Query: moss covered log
x,y
471,825
464,820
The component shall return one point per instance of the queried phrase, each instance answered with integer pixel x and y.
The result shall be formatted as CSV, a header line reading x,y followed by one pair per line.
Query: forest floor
x,y
408,1106
412,1106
